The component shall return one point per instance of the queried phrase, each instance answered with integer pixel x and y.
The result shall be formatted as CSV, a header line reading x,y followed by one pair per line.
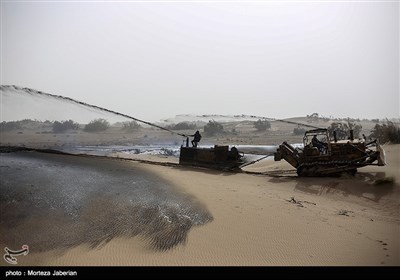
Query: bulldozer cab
x,y
316,142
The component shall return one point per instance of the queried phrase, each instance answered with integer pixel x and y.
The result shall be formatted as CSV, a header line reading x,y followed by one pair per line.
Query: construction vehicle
x,y
217,157
326,158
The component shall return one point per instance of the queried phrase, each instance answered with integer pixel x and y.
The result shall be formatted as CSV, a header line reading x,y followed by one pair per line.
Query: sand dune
x,y
256,219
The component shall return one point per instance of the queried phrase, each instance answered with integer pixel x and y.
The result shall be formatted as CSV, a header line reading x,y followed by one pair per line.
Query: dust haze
x,y
157,60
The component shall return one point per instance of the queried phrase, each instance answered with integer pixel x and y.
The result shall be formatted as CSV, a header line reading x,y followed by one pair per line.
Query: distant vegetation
x,y
262,125
299,131
9,126
130,126
22,124
386,132
343,130
315,117
181,126
63,126
212,128
97,125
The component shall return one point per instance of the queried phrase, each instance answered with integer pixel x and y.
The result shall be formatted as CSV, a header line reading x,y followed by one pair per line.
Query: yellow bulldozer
x,y
321,156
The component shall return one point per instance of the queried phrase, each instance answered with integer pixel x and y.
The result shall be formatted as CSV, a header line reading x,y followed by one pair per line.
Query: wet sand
x,y
52,202
110,212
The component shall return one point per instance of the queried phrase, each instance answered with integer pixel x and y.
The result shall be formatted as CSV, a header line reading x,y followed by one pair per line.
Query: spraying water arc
x,y
74,101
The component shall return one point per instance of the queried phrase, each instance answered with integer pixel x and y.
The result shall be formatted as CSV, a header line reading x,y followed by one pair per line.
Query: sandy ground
x,y
90,211
247,219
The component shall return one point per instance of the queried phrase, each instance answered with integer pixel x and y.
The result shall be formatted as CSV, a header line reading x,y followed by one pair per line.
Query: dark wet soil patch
x,y
52,201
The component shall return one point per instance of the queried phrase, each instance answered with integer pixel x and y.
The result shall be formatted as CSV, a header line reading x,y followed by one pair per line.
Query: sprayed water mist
x,y
18,90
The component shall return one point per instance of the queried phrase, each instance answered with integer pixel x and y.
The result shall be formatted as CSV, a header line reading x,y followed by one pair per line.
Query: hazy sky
x,y
156,60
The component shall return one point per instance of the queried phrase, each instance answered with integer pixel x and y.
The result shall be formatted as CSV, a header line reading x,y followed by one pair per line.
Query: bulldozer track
x,y
274,173
327,167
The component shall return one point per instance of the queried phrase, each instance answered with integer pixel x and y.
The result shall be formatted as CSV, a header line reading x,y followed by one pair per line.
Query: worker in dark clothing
x,y
233,154
196,139
319,144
